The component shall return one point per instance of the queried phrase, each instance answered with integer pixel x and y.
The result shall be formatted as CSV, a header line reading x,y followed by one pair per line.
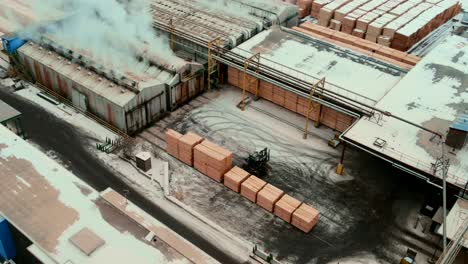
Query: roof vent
x,y
122,90
87,241
458,133
89,73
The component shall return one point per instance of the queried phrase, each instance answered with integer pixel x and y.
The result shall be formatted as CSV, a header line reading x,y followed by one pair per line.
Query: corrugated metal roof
x,y
7,112
92,81
461,123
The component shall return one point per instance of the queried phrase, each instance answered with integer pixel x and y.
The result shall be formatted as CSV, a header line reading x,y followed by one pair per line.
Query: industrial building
x,y
127,103
385,80
433,96
67,221
11,119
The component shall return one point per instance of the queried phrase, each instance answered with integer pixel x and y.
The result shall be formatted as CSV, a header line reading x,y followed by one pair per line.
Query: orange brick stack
x,y
251,187
393,23
285,207
305,217
186,146
234,178
172,142
212,160
304,7
268,196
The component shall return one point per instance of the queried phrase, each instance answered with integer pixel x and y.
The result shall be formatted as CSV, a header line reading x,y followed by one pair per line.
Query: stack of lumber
x,y
305,217
234,178
285,207
394,23
251,186
172,142
369,48
186,146
268,196
212,160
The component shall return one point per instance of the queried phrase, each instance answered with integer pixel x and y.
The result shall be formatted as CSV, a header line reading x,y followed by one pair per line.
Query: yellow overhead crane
x,y
254,61
213,64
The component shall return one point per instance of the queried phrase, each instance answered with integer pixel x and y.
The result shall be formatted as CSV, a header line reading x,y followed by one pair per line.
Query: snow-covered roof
x,y
50,205
432,95
7,112
457,218
98,84
347,73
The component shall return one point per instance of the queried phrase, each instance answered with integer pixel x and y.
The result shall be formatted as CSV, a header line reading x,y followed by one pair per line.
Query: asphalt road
x,y
52,133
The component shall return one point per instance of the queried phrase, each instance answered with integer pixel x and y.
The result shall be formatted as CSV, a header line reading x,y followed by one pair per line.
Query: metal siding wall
x,y
7,246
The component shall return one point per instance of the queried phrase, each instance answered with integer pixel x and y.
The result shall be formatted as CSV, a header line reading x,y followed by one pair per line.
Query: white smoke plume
x,y
239,8
111,32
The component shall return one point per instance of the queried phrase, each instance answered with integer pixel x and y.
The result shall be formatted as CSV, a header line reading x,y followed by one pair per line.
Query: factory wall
x,y
328,117
143,108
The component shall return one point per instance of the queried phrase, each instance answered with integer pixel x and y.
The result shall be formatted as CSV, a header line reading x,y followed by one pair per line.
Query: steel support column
x,y
340,167
318,85
254,61
211,61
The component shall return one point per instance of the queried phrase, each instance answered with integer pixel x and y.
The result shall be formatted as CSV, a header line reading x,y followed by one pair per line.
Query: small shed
x,y
458,131
11,119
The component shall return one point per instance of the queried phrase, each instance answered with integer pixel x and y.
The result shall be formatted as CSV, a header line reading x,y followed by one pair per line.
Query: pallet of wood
x,y
212,160
268,196
186,145
305,217
285,207
234,178
251,186
172,142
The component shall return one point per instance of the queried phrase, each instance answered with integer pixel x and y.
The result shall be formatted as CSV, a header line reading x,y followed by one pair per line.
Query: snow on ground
x,y
69,114
356,209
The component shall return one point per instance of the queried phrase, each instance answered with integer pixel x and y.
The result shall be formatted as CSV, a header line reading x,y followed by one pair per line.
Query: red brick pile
x,y
212,160
268,196
186,146
285,207
234,178
251,186
305,217
394,23
216,163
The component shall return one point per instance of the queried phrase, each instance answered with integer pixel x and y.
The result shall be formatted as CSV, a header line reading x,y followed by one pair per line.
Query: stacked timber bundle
x,y
305,217
251,187
212,160
268,196
186,146
285,207
234,178
380,20
172,142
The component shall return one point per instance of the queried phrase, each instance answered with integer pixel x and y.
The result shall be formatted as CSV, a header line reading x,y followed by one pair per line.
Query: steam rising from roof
x,y
114,33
